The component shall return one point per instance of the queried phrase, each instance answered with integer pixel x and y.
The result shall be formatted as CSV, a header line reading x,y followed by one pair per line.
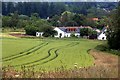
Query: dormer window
x,y
74,29
103,32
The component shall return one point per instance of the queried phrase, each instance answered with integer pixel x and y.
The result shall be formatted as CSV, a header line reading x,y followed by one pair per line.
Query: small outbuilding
x,y
39,34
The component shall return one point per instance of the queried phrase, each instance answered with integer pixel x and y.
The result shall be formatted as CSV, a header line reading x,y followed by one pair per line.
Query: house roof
x,y
102,30
75,29
94,19
70,29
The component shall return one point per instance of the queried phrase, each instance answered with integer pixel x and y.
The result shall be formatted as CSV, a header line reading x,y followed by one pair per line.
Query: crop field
x,y
48,54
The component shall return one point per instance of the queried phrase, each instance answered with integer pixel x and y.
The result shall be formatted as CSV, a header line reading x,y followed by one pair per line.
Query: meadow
x,y
48,54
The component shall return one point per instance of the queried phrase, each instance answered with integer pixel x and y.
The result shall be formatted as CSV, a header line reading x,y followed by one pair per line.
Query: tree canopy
x,y
114,30
49,9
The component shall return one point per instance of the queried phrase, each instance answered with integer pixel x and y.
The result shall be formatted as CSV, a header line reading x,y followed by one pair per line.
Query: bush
x,y
49,32
31,30
72,35
105,47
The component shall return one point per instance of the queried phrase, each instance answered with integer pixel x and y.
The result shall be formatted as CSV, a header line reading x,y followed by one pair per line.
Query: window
x,y
102,38
74,29
37,34
103,32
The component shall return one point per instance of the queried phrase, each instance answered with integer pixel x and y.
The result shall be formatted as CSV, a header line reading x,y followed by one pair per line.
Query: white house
x,y
102,34
39,34
67,31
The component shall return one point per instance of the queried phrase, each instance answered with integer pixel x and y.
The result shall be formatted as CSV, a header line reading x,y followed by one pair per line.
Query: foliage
x,y
79,19
14,20
85,31
31,30
88,32
39,25
72,35
49,32
49,9
114,30
55,20
105,47
66,18
60,14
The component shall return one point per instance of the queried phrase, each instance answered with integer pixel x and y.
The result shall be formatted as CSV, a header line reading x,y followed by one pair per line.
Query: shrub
x,y
73,35
31,30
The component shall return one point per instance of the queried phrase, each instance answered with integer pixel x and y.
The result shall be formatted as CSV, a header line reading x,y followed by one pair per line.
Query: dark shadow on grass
x,y
105,48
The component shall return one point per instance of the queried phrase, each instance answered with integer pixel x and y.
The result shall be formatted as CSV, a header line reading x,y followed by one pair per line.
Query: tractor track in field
x,y
55,52
27,52
49,54
56,55
36,60
22,52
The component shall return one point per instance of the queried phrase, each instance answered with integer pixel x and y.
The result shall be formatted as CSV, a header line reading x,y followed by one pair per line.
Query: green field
x,y
49,54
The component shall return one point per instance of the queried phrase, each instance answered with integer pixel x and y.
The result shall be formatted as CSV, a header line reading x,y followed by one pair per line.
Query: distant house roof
x,y
70,29
94,19
86,27
73,29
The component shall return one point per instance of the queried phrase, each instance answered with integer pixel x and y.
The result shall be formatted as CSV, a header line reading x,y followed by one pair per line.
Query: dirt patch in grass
x,y
105,59
6,35
19,35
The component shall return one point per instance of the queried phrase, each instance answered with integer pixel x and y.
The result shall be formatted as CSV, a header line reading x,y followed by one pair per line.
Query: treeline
x,y
14,20
49,9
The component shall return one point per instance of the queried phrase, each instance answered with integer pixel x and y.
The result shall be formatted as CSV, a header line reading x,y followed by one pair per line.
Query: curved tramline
x,y
49,54
21,52
27,52
35,60
55,52
53,55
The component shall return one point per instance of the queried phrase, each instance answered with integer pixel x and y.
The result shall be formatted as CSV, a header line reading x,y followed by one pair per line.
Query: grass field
x,y
48,54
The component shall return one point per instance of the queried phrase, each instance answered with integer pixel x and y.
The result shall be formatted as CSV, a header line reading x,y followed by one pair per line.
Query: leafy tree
x,y
114,30
14,19
39,25
55,20
6,21
10,21
66,17
85,32
79,19
31,30
49,32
